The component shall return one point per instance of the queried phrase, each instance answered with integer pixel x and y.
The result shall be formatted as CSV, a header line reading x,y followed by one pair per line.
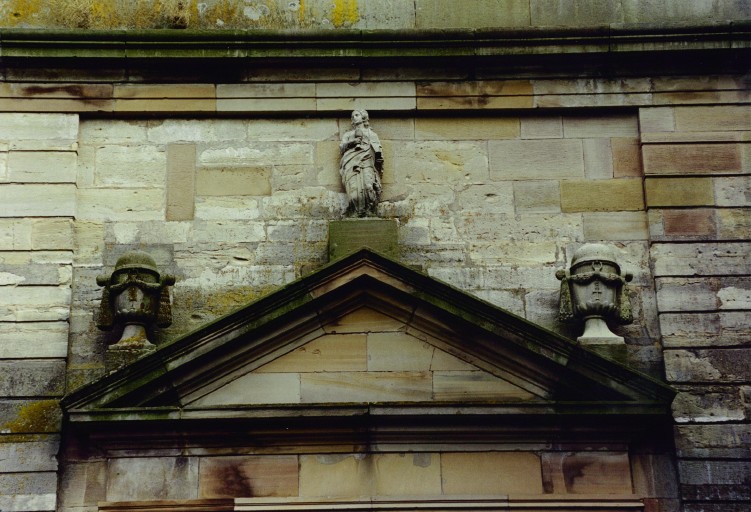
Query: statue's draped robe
x,y
359,171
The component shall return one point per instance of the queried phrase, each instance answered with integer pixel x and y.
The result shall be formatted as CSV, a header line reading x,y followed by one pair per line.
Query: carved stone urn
x,y
593,290
136,297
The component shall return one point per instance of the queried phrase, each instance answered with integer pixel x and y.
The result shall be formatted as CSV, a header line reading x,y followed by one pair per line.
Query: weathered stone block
x,y
548,127
329,353
266,90
254,476
293,129
713,441
28,491
491,473
693,159
535,159
149,478
37,200
180,131
442,162
234,181
467,128
397,351
701,259
708,365
705,329
16,126
52,234
616,226
366,387
261,153
495,197
626,157
129,166
732,191
348,236
715,480
25,378
579,472
711,404
656,119
733,223
399,474
679,192
598,159
180,182
83,484
30,456
484,13
111,131
714,118
256,388
42,166
687,294
116,204
698,224
337,475
603,195
474,385
227,208
166,105
581,127
30,417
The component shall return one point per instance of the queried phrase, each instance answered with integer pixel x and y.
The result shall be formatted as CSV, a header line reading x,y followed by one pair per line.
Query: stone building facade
x,y
214,147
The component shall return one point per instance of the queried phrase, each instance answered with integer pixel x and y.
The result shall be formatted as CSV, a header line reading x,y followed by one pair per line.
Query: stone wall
x,y
360,14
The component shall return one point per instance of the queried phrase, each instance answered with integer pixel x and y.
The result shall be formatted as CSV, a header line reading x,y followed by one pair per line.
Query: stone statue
x,y
593,290
361,166
135,296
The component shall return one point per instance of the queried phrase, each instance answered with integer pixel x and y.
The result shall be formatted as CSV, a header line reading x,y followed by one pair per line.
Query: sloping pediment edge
x,y
569,376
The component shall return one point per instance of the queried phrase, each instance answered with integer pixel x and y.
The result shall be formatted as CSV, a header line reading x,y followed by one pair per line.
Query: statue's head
x,y
357,117
135,293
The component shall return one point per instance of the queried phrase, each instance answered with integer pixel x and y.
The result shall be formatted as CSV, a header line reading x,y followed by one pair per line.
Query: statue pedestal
x,y
348,236
118,357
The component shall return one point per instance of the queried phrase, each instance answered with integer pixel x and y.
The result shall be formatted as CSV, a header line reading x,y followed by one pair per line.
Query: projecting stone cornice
x,y
605,44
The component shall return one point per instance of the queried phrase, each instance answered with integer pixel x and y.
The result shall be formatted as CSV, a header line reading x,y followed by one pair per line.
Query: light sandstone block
x,y
262,153
168,131
693,159
616,226
337,475
584,473
537,196
180,181
52,234
663,192
733,223
166,106
575,12
257,476
365,387
722,328
475,92
677,294
514,253
164,91
598,159
626,157
89,242
329,353
548,127
732,191
603,195
475,385
130,166
226,207
266,90
365,89
484,13
657,119
398,351
256,388
42,166
442,162
30,456
724,365
37,200
14,126
150,478
491,473
728,441
704,259
110,131
582,127
535,159
709,405
292,129
399,474
468,128
15,234
487,197
234,181
363,102
363,320
115,204
33,340
714,118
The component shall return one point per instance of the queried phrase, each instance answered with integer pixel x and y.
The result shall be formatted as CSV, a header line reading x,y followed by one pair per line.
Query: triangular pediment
x,y
366,330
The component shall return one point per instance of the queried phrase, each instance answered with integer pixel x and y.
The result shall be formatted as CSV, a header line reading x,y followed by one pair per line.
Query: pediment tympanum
x,y
367,337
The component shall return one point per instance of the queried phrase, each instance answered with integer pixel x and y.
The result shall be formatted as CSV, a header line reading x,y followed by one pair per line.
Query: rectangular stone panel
x,y
732,191
234,181
130,166
37,378
484,13
475,385
715,480
250,477
626,154
152,478
693,159
603,195
656,119
466,128
535,159
676,294
491,473
366,387
713,441
403,474
42,166
679,192
329,353
32,126
398,351
582,127
713,118
586,473
701,259
722,328
537,196
181,163
114,204
616,226
37,200
708,365
256,388
34,456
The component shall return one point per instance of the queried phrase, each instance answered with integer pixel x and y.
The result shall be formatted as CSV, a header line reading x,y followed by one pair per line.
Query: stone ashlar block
x,y
329,353
180,182
584,127
718,158
536,159
116,204
471,385
454,162
598,159
616,226
110,131
52,234
152,478
24,378
708,365
575,12
602,195
669,192
729,441
468,128
29,417
32,126
732,191
484,13
256,476
547,127
234,181
722,328
491,473
180,131
683,224
411,473
39,456
129,166
161,91
38,200
707,259
715,118
293,129
166,106
733,223
579,472
712,404
626,157
256,388
348,236
656,119
42,166
261,154
715,480
703,294
366,387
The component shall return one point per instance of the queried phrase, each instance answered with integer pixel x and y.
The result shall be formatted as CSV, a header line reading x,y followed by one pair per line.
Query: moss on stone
x,y
41,416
